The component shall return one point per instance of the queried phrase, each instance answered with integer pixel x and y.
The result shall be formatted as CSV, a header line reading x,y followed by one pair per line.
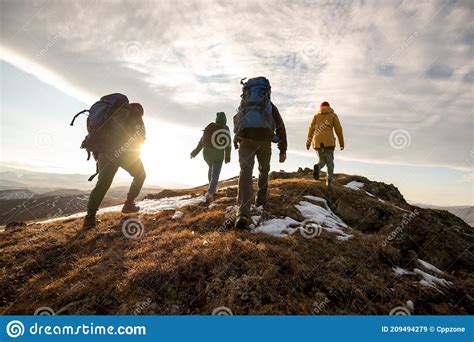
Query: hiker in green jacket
x,y
216,145
119,148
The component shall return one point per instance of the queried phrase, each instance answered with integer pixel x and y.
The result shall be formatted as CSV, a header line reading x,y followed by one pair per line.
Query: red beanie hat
x,y
325,104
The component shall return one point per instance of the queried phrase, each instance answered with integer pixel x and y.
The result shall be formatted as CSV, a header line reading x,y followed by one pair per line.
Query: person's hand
x,y
236,145
308,146
227,160
282,157
192,156
342,148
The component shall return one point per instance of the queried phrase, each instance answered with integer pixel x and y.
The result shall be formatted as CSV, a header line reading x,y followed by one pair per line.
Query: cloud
x,y
183,61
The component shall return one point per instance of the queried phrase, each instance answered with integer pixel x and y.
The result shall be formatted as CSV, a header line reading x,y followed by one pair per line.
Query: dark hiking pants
x,y
248,150
108,166
326,157
213,175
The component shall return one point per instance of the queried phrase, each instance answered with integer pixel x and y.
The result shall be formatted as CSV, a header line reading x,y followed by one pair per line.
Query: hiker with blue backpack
x,y
216,145
321,135
115,134
257,124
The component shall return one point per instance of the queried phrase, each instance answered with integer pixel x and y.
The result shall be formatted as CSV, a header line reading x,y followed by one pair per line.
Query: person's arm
x,y
338,129
311,129
198,148
142,129
228,148
280,130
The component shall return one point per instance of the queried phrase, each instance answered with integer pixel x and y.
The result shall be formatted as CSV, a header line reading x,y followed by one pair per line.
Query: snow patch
x,y
354,185
429,267
400,271
147,206
278,227
323,217
429,280
320,215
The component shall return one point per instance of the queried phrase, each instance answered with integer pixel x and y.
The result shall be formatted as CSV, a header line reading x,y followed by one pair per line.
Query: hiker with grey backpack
x,y
115,134
257,124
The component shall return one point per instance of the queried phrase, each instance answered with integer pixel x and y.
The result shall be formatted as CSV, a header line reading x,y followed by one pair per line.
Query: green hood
x,y
221,118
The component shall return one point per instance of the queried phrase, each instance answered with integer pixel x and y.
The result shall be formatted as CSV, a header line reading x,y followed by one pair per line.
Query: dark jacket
x,y
264,134
123,136
215,141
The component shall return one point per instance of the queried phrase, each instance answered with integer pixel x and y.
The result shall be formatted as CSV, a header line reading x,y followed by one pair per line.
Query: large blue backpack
x,y
99,121
255,110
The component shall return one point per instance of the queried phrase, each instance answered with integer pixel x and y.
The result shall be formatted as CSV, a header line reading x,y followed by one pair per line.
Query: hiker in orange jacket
x,y
321,135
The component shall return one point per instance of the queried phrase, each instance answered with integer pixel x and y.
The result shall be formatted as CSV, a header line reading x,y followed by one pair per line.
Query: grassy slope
x,y
187,267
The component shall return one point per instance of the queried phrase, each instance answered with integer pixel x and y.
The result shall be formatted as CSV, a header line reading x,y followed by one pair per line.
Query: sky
x,y
399,74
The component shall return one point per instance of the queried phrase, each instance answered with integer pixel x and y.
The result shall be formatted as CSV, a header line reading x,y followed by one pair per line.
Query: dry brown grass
x,y
188,267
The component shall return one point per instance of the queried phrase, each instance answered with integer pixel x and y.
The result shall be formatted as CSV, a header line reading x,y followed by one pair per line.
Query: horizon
x,y
401,86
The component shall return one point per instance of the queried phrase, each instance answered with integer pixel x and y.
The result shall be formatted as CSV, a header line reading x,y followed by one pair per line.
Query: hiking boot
x,y
130,207
316,171
262,204
89,222
209,198
242,223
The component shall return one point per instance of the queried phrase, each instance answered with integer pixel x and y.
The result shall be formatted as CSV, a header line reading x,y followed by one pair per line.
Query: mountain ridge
x,y
374,252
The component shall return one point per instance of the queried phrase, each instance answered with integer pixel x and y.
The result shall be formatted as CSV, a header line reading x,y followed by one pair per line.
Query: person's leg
x,y
134,166
107,169
215,173
209,170
264,155
330,163
322,158
247,153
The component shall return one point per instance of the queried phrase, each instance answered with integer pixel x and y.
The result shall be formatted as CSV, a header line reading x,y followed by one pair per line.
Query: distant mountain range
x,y
23,205
29,195
20,184
40,182
465,212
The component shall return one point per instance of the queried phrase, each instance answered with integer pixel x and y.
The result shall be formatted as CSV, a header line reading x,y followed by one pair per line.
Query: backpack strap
x,y
96,171
96,157
75,116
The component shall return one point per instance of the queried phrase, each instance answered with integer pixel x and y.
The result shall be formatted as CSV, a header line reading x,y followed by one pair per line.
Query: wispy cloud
x,y
384,66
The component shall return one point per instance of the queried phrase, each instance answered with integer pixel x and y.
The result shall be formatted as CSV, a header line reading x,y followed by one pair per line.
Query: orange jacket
x,y
321,130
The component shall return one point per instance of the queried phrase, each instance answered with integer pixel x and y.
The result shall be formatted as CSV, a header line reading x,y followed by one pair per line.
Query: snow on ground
x,y
429,267
213,205
147,206
429,280
318,217
354,185
400,271
177,215
426,278
369,194
278,227
324,217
